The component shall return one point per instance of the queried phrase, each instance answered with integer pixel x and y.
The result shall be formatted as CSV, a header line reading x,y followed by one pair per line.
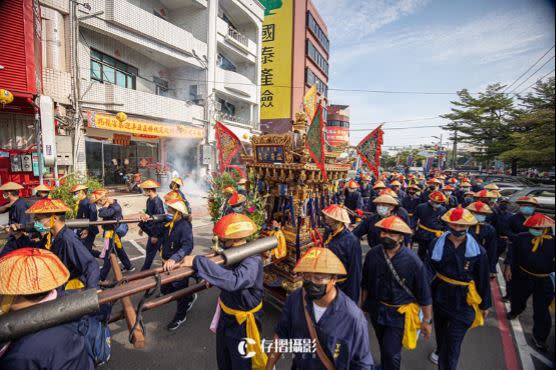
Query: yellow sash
x,y
6,303
74,284
117,241
537,241
260,359
437,233
281,250
412,323
473,297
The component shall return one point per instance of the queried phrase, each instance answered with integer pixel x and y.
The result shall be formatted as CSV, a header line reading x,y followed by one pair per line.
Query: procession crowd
x,y
461,229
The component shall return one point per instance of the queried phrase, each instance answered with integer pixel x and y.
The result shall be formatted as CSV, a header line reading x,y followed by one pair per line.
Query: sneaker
x,y
540,345
511,315
175,324
192,302
506,298
131,269
433,357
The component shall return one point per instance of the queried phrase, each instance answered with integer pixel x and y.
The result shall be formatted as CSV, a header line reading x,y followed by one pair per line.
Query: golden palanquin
x,y
295,192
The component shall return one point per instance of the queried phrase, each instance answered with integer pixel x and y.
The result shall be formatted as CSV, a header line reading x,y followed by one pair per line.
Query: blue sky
x,y
428,45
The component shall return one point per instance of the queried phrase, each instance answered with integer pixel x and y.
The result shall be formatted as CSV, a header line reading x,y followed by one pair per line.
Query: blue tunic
x,y
367,227
347,248
410,203
488,239
16,214
381,285
449,299
354,201
431,218
75,256
342,332
60,348
241,288
515,226
452,202
112,212
88,210
179,243
154,207
539,262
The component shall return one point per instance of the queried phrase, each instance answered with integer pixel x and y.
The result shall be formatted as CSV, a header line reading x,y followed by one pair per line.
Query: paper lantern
x,y
6,97
122,117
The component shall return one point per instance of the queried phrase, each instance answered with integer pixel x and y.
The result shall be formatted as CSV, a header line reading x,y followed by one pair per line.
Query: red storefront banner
x,y
337,135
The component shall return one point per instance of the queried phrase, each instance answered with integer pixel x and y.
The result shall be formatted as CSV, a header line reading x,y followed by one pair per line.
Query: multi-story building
x,y
172,67
337,125
295,56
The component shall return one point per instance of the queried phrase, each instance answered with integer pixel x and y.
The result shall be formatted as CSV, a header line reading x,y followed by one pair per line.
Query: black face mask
x,y
457,234
314,291
388,243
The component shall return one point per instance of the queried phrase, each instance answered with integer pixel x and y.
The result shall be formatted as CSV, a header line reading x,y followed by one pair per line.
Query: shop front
x,y
115,150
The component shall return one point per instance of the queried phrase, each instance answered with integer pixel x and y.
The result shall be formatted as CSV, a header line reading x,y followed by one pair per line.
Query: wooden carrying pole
x,y
137,337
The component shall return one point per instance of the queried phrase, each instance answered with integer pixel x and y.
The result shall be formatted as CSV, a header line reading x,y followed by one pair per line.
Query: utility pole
x,y
455,151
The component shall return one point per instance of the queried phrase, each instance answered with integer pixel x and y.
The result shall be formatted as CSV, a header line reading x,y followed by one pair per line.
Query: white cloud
x,y
359,19
488,39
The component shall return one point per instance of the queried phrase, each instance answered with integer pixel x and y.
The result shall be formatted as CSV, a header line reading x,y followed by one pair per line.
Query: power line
x,y
400,121
530,68
396,128
534,83
522,82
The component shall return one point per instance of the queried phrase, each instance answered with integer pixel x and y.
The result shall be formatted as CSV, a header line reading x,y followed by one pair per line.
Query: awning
x,y
143,127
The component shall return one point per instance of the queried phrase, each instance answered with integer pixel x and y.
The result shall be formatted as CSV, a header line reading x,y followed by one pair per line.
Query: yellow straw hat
x,y
479,207
149,184
11,186
321,261
337,213
48,206
178,205
42,187
78,187
386,199
460,216
31,271
395,224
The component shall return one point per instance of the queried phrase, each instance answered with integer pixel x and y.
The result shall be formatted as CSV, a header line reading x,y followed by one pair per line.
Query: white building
x,y
172,66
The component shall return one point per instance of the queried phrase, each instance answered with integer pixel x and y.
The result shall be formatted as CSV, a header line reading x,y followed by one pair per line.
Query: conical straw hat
x,y
320,260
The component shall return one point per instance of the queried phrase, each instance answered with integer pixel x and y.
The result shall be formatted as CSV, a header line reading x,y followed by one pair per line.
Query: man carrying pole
x,y
154,230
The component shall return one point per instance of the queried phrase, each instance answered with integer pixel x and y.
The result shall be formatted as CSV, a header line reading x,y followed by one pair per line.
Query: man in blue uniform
x,y
527,207
176,185
410,203
460,287
530,271
429,223
86,210
109,209
385,206
452,201
241,294
322,313
485,233
16,206
395,286
42,191
354,200
176,244
154,230
37,278
346,246
464,187
433,185
396,187
503,216
366,189
49,216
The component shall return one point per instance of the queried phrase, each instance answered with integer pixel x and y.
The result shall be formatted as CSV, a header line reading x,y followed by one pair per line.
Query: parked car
x,y
510,185
509,191
544,194
505,179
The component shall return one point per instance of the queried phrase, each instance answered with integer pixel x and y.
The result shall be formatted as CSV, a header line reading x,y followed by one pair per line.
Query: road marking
x,y
137,246
526,352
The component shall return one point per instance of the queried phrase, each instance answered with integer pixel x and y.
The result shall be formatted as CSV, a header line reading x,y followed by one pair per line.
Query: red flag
x,y
315,140
370,149
227,144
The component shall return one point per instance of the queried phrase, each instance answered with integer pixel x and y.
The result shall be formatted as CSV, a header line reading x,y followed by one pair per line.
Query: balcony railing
x,y
238,36
231,118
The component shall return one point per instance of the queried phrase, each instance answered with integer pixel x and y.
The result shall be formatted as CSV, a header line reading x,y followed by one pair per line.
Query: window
x,y
316,57
193,92
337,124
227,107
104,68
318,32
161,86
312,79
226,63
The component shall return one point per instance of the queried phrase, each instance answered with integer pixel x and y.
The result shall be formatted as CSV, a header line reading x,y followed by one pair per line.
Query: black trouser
x,y
183,303
449,337
390,342
523,286
423,248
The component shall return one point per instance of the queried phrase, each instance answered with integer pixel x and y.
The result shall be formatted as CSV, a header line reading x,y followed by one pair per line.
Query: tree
x,y
483,121
534,128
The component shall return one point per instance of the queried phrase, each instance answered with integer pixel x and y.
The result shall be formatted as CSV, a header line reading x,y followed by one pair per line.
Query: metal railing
x,y
228,117
239,37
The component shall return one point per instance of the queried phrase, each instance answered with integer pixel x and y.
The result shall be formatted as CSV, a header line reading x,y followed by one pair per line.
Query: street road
x,y
193,346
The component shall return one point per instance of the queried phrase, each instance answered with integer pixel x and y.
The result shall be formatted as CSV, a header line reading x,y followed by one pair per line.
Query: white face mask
x,y
383,211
